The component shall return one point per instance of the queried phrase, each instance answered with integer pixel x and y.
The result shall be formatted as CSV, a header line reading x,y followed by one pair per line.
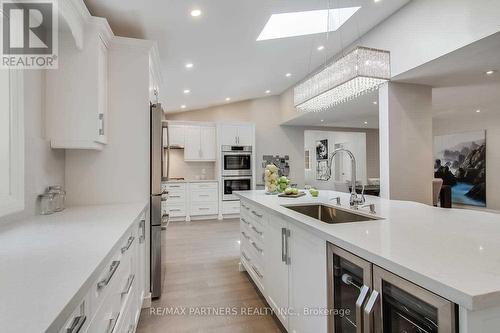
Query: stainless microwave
x,y
236,161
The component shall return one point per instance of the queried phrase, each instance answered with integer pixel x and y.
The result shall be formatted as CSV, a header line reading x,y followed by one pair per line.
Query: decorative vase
x,y
271,179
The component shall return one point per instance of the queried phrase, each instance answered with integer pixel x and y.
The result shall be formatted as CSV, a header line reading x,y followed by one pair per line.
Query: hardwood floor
x,y
201,261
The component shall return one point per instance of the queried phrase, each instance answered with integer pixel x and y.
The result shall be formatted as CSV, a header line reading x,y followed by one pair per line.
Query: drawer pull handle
x,y
256,247
112,269
245,235
130,281
76,324
245,256
174,186
257,231
245,221
257,272
174,196
175,210
204,208
129,243
256,214
142,227
112,323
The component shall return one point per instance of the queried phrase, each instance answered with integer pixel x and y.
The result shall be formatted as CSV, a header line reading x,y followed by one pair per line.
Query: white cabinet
x,y
176,136
199,144
276,283
237,134
76,98
294,268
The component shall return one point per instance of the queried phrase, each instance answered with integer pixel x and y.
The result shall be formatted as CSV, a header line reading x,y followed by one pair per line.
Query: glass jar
x,y
59,197
47,203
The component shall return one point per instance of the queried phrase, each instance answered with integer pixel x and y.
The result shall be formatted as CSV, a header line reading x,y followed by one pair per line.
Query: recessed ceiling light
x,y
187,91
228,99
322,120
478,111
195,12
305,23
366,123
268,91
321,48
288,74
491,72
183,106
376,1
189,65
375,102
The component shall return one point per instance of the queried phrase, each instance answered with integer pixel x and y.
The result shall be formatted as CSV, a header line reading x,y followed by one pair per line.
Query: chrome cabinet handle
x,y
245,206
76,324
112,323
245,221
256,214
112,269
283,241
245,235
371,302
257,231
204,208
287,255
245,256
363,293
257,271
174,196
174,186
142,227
204,195
256,247
129,243
130,281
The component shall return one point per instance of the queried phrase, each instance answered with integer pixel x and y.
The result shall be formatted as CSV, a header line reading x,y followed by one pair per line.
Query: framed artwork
x,y
322,172
322,150
460,160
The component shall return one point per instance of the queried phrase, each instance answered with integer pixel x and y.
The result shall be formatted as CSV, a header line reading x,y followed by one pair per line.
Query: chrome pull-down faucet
x,y
355,200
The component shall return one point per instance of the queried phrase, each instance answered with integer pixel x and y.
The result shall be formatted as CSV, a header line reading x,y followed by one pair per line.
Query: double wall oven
x,y
366,298
236,170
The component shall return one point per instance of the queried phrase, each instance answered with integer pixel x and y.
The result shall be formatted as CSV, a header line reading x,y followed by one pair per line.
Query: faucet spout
x,y
355,200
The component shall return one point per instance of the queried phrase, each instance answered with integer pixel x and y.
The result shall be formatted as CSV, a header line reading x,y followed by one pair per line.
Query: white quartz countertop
x,y
454,253
46,261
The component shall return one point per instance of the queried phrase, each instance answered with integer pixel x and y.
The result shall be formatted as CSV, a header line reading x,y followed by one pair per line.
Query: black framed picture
x,y
322,150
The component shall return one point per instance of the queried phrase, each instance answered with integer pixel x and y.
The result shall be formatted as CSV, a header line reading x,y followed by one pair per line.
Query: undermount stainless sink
x,y
330,214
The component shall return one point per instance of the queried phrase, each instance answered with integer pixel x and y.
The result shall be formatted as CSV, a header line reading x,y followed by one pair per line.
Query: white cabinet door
x,y
276,281
229,135
102,91
176,135
245,135
307,281
208,143
192,148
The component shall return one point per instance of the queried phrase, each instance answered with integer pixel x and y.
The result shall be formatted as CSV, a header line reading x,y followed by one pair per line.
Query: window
x,y
11,142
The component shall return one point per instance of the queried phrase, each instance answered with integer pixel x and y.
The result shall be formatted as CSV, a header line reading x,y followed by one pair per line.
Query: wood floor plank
x,y
201,262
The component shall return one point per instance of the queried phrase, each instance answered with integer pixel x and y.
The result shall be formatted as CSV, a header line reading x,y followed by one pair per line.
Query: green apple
x,y
314,192
289,191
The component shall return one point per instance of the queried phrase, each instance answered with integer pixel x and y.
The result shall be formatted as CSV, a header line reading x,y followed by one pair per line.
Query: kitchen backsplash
x,y
189,170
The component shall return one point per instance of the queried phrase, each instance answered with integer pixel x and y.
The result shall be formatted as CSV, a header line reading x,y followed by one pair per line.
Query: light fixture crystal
x,y
353,75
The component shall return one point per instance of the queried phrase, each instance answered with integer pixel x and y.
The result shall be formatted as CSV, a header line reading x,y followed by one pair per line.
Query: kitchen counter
x,y
454,253
46,262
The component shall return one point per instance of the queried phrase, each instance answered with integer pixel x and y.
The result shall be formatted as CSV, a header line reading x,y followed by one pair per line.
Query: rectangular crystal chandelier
x,y
353,75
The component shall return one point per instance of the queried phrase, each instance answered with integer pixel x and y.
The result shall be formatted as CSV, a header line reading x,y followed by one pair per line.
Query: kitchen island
x,y
452,253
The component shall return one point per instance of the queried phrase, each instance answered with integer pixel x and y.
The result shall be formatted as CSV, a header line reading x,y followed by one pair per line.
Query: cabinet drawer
x,y
203,186
174,186
107,315
204,209
175,197
230,207
174,210
208,195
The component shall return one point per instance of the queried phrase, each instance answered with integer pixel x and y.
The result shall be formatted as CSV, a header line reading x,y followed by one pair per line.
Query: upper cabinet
x,y
77,92
236,134
176,136
200,143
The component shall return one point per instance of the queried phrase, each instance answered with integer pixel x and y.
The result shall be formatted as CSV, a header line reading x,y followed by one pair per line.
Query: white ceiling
x,y
221,43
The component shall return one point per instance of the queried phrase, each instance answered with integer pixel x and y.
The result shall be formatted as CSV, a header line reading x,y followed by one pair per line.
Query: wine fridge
x,y
364,298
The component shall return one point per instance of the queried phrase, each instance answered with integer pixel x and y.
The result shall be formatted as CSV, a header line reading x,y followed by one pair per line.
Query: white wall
x,y
189,170
355,142
43,166
453,118
119,173
406,142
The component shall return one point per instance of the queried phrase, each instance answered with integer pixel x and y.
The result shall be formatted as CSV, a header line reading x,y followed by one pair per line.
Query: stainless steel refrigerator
x,y
157,195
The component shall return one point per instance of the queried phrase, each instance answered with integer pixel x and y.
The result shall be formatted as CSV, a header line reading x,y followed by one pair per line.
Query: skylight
x,y
305,23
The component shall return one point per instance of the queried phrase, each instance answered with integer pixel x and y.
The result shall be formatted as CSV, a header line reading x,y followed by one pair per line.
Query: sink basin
x,y
330,214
